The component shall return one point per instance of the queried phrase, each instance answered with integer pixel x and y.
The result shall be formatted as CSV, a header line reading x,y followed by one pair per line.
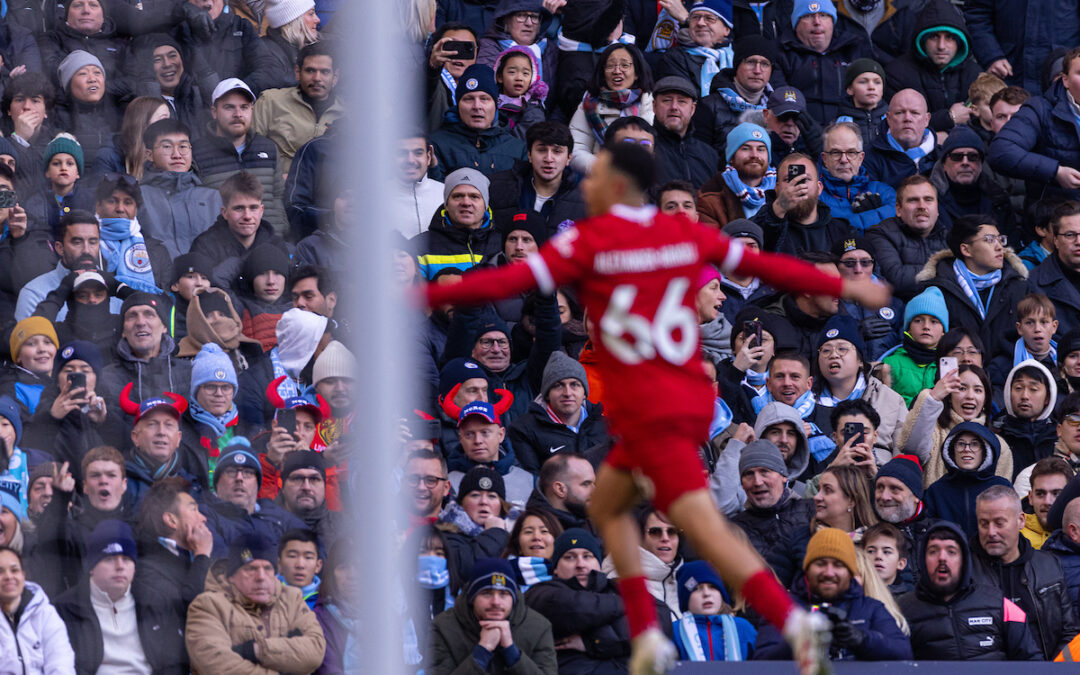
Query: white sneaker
x,y
809,634
651,653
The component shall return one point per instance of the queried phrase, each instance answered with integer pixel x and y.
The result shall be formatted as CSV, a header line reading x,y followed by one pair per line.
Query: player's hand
x,y
1002,68
869,294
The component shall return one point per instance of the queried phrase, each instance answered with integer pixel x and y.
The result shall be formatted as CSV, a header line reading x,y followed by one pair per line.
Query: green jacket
x,y
455,634
908,377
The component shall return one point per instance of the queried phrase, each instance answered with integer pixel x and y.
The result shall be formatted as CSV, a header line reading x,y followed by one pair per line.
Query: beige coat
x,y
283,116
891,408
923,437
218,619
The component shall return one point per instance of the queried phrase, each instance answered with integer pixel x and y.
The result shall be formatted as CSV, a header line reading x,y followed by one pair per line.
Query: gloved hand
x,y
111,284
246,650
198,19
874,327
847,635
867,201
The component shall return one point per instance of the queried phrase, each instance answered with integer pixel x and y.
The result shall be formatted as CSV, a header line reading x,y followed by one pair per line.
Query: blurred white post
x,y
379,106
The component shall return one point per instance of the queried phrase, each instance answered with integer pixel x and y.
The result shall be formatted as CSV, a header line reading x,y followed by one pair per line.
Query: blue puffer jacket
x,y
952,497
884,639
1068,554
838,196
1039,138
1022,31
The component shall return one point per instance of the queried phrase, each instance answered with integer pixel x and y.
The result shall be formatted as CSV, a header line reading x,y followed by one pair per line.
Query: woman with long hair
x,y
843,501
129,152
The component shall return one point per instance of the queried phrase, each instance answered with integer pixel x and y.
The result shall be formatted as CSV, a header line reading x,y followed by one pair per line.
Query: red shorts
x,y
667,454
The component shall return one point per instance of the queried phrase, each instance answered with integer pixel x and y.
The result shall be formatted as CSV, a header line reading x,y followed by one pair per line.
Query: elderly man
x,y
795,221
898,494
1040,144
909,147
155,446
902,244
948,595
964,189
566,421
680,155
815,56
739,190
1032,579
246,620
708,51
475,138
774,518
234,510
790,127
461,234
744,86
863,630
490,629
847,189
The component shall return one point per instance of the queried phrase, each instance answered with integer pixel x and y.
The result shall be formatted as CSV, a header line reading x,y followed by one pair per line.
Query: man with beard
x,y
680,155
78,243
862,628
565,485
416,197
1032,579
425,483
1048,478
948,595
738,191
303,494
909,147
898,494
795,221
903,244
964,189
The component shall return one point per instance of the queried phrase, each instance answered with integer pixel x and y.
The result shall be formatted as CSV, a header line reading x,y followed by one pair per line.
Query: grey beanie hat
x,y
468,176
72,63
764,454
559,367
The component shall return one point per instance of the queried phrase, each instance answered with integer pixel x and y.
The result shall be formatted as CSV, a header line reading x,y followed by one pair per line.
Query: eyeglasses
x,y
238,471
968,445
167,147
756,64
661,531
411,480
829,352
314,480
217,388
644,142
624,66
852,263
1068,236
526,17
837,154
488,343
972,156
992,239
706,17
970,351
1072,420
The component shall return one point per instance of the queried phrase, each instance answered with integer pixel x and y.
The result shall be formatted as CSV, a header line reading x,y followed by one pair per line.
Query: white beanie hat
x,y
281,12
335,361
298,334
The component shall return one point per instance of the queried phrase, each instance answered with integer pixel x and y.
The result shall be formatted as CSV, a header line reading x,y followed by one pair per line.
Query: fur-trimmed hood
x,y
929,270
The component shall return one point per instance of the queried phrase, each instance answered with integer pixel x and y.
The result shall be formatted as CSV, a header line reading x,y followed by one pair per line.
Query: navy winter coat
x,y
889,165
821,76
1068,554
952,497
488,151
1049,279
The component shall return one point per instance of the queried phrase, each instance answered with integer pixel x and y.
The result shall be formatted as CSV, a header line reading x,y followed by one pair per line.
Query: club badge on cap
x,y
831,333
68,351
471,84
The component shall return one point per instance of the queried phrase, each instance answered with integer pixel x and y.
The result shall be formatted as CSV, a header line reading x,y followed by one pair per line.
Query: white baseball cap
x,y
231,84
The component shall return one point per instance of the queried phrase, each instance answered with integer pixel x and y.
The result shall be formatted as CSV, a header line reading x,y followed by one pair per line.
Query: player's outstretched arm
x,y
869,294
482,286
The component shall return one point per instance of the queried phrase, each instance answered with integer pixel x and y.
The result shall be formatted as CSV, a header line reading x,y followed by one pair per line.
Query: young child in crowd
x,y
1037,323
887,549
521,91
914,363
979,94
63,169
865,104
709,629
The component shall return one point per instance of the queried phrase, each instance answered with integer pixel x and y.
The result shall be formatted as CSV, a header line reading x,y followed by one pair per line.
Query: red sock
x,y
640,607
768,598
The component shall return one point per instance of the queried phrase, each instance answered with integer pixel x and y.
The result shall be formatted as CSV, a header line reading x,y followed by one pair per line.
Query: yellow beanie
x,y
28,328
831,542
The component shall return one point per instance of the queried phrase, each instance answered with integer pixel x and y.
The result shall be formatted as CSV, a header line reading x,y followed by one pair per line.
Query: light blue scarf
x,y
450,83
973,283
532,571
826,398
287,389
739,104
751,198
804,405
715,61
820,445
689,636
568,45
218,424
756,379
722,417
124,251
924,148
1021,354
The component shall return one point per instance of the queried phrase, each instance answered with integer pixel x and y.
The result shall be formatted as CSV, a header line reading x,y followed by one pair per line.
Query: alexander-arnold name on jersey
x,y
640,260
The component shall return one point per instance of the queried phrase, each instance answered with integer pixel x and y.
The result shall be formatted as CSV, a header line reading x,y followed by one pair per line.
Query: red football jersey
x,y
634,270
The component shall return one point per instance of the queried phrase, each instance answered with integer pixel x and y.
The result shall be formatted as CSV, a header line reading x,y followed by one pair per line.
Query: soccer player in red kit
x,y
633,269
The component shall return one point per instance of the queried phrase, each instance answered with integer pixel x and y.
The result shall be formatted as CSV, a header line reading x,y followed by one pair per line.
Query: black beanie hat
x,y
576,537
907,470
753,45
265,257
1070,343
247,548
529,221
778,327
481,478
190,262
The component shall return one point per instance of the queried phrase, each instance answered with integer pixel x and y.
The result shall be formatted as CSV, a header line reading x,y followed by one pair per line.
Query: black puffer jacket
x,y
234,50
973,625
1042,592
535,436
821,76
941,87
512,192
595,612
462,551
892,36
784,236
684,158
216,159
901,254
106,45
780,534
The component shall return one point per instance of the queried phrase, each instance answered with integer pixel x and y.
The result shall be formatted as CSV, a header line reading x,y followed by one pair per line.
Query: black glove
x,y
874,327
67,284
198,19
295,632
111,284
867,201
246,650
846,635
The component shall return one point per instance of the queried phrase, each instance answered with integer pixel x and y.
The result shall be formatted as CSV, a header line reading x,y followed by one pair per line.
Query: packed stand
x,y
896,468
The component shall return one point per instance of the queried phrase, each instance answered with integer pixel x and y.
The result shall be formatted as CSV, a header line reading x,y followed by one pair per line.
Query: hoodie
x,y
952,497
1029,439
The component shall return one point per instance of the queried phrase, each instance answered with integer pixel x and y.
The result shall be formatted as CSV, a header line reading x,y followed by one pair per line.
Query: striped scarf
x,y
826,398
751,198
973,283
626,101
715,61
688,635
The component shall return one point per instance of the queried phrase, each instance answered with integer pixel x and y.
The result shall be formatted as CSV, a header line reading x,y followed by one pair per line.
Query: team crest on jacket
x,y
137,259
